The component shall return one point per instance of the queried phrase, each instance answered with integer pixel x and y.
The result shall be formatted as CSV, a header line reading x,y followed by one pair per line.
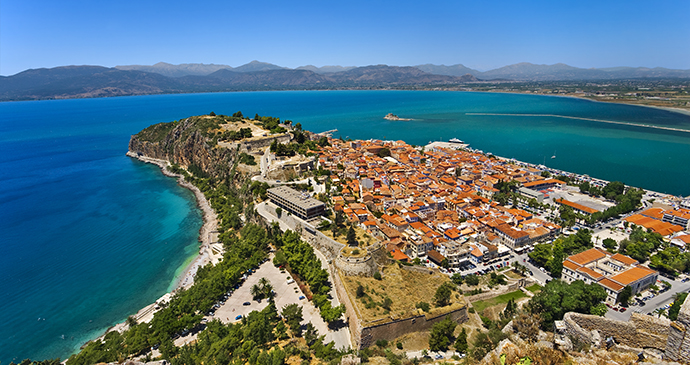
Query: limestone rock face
x,y
183,143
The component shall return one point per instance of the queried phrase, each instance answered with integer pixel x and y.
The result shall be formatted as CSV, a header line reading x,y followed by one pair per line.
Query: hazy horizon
x,y
481,36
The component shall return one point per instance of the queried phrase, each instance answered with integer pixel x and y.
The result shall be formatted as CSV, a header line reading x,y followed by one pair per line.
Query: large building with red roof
x,y
612,272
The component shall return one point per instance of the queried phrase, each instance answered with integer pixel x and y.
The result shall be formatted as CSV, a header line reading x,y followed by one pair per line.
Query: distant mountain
x,y
454,70
184,69
393,75
560,71
325,69
96,81
257,66
82,82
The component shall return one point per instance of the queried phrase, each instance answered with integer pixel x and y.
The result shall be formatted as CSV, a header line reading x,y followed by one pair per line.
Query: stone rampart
x,y
254,144
641,331
678,346
352,314
392,329
356,266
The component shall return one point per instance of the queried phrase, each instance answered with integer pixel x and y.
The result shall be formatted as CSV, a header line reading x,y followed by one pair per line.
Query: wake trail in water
x,y
580,118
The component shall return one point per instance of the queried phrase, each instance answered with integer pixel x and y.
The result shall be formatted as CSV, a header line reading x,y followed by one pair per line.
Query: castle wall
x,y
678,346
641,331
395,328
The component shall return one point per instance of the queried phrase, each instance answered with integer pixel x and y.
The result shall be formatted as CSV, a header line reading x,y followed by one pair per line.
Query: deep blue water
x,y
89,236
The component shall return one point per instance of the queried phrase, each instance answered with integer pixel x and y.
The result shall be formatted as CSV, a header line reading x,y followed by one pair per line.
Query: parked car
x,y
238,317
246,303
302,297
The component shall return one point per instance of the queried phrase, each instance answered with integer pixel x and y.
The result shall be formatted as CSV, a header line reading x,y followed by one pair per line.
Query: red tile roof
x,y
584,258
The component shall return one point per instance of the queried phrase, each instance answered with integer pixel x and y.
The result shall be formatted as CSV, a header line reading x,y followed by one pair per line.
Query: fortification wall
x,y
640,332
352,314
393,329
678,345
252,145
360,266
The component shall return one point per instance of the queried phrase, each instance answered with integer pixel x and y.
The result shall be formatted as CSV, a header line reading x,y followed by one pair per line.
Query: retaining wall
x,y
641,331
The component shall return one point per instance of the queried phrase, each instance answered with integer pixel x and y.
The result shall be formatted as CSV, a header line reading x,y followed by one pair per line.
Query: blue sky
x,y
478,34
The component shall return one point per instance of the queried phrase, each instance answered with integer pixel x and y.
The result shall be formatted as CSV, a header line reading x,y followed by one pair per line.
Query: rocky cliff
x,y
188,142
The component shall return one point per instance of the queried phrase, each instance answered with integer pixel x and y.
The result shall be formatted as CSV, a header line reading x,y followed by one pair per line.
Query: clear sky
x,y
479,34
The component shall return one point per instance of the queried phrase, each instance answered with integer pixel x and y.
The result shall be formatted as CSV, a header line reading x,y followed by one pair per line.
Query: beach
x,y
207,236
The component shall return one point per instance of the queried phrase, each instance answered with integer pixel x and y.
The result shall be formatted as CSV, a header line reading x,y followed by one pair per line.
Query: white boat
x,y
455,140
554,154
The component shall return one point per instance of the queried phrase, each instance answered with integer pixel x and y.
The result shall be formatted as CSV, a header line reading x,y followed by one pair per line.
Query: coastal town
x,y
408,240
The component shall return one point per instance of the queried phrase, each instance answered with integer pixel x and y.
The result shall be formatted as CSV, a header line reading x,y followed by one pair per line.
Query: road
x,y
652,304
341,337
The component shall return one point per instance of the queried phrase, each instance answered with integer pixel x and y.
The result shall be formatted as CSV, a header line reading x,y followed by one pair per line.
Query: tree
x,y
541,254
461,341
610,244
457,279
360,291
442,296
558,297
256,292
423,306
675,307
293,316
330,314
351,236
279,211
624,296
441,333
472,280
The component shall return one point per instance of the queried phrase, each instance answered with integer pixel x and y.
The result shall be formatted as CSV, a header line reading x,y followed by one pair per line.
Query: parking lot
x,y
233,307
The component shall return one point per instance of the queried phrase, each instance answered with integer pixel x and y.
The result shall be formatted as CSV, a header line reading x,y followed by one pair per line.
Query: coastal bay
x,y
59,155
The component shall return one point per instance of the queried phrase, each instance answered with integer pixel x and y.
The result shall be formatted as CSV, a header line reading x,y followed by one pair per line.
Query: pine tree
x,y
461,341
351,237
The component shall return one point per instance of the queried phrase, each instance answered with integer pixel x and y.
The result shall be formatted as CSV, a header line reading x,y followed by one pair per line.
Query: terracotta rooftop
x,y
584,258
606,282
591,273
577,206
624,259
571,265
632,275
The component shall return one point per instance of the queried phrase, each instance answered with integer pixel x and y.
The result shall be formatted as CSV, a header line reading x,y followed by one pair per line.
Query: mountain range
x,y
96,81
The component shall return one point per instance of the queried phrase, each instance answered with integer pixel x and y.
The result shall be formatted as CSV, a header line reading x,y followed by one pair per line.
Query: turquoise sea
x,y
89,236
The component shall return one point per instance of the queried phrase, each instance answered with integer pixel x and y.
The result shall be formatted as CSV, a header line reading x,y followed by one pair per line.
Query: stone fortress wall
x,y
671,338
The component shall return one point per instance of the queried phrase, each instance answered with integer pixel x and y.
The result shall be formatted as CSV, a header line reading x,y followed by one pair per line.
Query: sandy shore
x,y
206,238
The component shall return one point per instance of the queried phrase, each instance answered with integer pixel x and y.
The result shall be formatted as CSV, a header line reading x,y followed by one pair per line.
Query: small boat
x,y
554,154
455,140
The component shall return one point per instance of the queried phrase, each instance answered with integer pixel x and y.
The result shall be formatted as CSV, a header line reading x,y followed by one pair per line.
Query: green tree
x,y
624,296
557,298
423,306
279,211
351,237
293,316
472,280
610,244
442,296
457,279
441,333
675,307
461,342
541,254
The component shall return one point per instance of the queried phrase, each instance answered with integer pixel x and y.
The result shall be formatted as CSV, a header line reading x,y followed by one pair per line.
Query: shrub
x,y
377,275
